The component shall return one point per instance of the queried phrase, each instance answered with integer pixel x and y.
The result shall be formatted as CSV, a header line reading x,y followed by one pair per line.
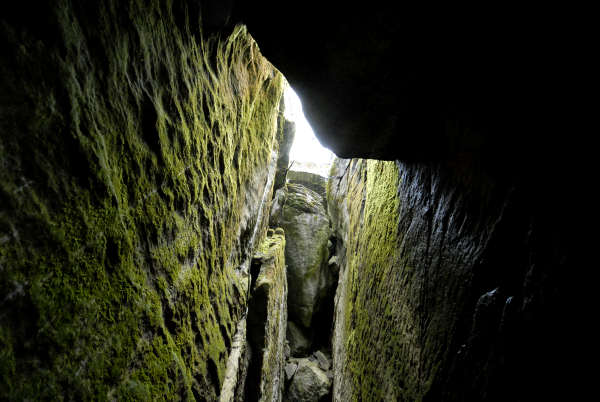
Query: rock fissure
x,y
155,243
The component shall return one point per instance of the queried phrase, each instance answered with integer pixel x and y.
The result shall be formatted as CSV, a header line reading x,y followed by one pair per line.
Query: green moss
x,y
269,298
126,152
376,322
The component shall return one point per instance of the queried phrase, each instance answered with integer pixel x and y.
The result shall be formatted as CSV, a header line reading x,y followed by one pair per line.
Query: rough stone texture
x,y
267,319
315,182
419,83
436,298
290,370
134,156
235,373
324,362
306,225
299,342
309,383
288,134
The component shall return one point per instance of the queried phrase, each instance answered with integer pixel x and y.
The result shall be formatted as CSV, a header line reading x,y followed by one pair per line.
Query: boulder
x,y
299,343
315,182
323,360
301,213
309,383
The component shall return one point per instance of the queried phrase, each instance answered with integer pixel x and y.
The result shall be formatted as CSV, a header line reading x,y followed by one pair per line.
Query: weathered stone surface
x,y
267,319
235,373
309,383
315,182
290,370
424,282
324,362
287,139
334,264
135,154
299,342
301,214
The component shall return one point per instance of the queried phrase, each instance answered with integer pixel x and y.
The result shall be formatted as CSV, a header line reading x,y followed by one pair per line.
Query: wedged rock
x,y
301,213
309,383
334,264
315,182
290,370
299,343
323,360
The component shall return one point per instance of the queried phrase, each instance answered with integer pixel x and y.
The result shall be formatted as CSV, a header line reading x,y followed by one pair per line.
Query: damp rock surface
x,y
425,282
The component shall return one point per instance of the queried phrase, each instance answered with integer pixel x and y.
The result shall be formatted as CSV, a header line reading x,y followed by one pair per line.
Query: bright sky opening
x,y
307,153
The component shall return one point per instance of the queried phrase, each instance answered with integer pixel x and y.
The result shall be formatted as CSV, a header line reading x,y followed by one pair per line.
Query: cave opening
x,y
307,154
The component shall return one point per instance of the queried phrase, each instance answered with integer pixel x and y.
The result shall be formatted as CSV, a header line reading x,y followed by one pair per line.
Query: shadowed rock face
x,y
471,102
400,82
465,104
460,289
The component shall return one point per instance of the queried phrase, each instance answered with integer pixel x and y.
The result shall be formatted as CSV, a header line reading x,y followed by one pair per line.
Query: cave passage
x,y
172,229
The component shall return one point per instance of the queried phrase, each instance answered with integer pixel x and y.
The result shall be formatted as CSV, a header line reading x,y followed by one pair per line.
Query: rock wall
x,y
135,155
437,299
300,211
267,321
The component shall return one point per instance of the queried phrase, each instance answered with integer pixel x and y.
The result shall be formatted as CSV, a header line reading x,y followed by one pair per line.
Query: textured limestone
x,y
290,370
135,155
267,319
235,372
324,362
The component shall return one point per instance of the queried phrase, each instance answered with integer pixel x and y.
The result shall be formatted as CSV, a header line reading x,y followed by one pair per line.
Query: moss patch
x,y
380,351
128,144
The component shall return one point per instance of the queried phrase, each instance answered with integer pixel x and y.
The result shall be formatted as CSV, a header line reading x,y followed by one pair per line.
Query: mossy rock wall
x,y
267,321
406,274
134,157
437,299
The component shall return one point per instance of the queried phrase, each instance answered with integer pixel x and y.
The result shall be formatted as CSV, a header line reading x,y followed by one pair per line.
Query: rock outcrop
x,y
299,339
300,212
137,155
